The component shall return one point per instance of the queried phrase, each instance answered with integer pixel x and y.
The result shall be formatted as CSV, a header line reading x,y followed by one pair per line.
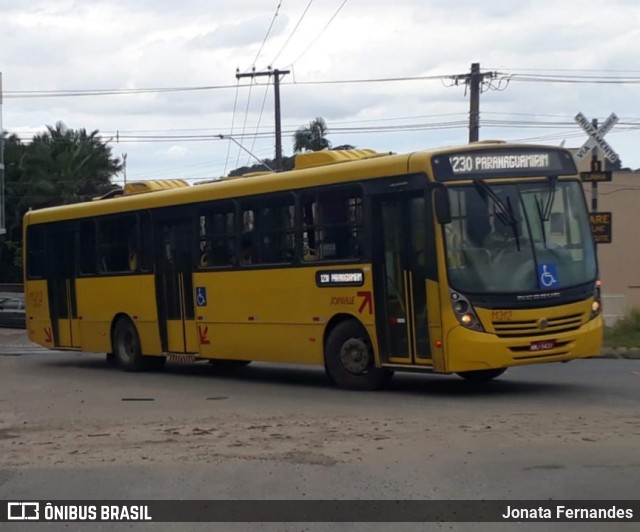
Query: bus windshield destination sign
x,y
502,163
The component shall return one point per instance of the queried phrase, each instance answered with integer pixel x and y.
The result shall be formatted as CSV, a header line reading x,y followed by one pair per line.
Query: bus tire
x,y
126,347
349,359
481,375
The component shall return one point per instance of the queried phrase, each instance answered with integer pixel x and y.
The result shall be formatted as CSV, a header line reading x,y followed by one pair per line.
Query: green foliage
x,y
625,332
312,137
58,167
287,164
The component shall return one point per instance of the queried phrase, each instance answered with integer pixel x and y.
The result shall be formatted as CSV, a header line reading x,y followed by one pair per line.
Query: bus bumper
x,y
468,350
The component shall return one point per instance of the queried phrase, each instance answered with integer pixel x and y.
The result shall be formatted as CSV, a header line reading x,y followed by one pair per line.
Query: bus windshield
x,y
519,237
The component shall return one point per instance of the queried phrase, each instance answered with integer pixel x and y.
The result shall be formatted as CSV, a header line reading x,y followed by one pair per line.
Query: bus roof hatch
x,y
138,187
320,158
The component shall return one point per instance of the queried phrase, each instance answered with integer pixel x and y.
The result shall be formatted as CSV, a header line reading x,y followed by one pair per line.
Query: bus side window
x,y
332,225
309,250
87,247
145,250
217,235
132,247
115,245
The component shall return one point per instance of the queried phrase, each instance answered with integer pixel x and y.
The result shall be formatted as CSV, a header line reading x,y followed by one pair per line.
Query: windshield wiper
x,y
503,212
544,213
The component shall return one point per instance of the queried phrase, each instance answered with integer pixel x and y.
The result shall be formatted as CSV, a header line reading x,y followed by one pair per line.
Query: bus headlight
x,y
464,312
466,319
596,306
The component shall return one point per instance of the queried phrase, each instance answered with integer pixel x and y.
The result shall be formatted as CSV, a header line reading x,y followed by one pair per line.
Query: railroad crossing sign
x,y
596,136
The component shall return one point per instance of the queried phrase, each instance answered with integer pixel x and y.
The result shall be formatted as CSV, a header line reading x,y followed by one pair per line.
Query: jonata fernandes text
x,y
567,513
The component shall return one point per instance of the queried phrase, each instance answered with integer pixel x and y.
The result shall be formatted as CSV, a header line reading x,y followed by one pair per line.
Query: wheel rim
x,y
127,346
354,356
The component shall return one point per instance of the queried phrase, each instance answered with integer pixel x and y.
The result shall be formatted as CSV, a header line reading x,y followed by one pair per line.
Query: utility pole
x,y
276,92
474,82
596,166
474,103
3,229
124,168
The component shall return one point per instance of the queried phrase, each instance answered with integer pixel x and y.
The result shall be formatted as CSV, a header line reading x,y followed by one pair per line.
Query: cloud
x,y
117,43
177,152
238,34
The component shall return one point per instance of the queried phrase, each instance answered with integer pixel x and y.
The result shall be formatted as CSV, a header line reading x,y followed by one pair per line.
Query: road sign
x,y
596,177
601,227
596,136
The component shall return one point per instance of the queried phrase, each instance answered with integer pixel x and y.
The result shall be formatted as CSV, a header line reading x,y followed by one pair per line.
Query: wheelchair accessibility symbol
x,y
201,296
547,276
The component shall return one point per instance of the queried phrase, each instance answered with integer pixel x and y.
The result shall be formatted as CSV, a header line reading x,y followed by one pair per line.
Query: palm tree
x,y
312,137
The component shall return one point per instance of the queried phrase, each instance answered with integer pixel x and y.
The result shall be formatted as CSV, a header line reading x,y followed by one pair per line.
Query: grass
x,y
625,332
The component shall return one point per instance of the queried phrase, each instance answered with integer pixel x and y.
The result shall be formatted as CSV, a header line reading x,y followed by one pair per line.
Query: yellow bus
x,y
464,260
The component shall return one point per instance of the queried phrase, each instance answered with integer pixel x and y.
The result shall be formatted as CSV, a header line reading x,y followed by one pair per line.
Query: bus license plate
x,y
543,345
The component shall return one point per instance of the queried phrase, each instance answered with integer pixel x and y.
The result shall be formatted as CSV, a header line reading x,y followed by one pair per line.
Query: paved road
x,y
72,427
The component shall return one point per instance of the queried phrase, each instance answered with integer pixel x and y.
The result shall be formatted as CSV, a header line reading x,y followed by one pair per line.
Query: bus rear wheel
x,y
349,360
481,375
127,350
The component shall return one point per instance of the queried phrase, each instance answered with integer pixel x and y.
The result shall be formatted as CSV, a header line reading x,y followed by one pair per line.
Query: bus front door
x,y
400,278
174,285
61,286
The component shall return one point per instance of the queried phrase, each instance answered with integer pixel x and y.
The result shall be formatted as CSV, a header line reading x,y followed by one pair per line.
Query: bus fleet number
x,y
501,315
461,164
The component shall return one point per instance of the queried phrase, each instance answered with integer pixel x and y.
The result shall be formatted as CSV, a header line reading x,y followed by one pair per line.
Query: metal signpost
x,y
601,222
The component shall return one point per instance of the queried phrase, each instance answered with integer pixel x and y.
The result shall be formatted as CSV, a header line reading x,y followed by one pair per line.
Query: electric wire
x,y
335,14
264,100
275,15
246,116
286,42
233,119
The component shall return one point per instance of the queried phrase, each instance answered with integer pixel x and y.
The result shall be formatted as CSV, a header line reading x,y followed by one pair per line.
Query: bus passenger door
x,y
400,278
174,285
61,286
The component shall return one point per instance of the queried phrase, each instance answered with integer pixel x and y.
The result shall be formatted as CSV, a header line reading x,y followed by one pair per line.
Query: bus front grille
x,y
560,324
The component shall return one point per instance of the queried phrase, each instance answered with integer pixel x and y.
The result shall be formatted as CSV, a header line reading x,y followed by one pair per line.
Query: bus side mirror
x,y
442,205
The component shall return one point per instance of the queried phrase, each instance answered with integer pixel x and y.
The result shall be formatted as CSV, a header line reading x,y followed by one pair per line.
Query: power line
x,y
246,116
544,78
233,119
286,42
275,15
335,14
264,101
124,137
68,93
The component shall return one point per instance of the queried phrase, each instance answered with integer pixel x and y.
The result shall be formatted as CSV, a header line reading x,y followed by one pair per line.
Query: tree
x,y
312,137
72,164
59,166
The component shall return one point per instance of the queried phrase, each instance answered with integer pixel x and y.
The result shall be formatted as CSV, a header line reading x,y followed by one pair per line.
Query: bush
x,y
625,332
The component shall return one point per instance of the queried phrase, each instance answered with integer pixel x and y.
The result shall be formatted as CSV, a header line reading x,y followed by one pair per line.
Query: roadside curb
x,y
620,352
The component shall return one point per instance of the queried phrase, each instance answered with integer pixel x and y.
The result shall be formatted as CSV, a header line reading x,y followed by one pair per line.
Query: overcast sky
x,y
536,47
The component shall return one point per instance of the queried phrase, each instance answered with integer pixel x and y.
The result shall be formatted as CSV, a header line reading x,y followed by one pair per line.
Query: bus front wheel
x,y
349,359
481,375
